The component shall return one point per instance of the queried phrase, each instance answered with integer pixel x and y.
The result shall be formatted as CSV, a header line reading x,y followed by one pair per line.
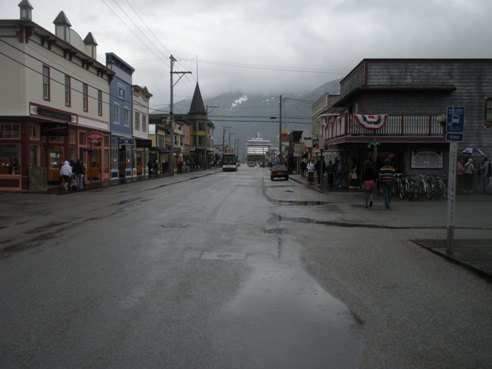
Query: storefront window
x,y
9,159
130,159
9,130
106,161
82,138
114,153
72,137
35,132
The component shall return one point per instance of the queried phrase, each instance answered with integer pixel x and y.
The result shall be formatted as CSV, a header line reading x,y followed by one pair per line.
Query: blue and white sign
x,y
455,123
454,136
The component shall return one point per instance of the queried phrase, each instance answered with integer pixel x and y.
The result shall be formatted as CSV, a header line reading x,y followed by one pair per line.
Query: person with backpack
x,y
468,174
387,180
486,173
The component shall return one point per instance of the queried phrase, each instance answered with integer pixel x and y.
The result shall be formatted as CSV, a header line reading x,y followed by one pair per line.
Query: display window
x,y
10,159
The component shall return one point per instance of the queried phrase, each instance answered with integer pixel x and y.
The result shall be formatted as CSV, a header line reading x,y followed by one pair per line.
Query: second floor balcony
x,y
396,128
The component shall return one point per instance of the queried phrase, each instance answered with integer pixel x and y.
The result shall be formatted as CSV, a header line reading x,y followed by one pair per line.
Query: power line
x,y
62,83
273,67
154,47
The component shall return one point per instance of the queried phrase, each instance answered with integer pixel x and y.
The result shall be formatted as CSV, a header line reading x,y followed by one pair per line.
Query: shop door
x,y
95,167
139,163
55,161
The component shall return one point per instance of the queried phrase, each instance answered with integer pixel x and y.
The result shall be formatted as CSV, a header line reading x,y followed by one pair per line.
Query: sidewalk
x,y
474,254
96,185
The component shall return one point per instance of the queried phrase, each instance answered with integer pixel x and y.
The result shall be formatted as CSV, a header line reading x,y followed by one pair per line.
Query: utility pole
x,y
171,108
280,132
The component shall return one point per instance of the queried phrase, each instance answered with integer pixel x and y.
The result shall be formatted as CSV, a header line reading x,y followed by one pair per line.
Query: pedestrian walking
x,y
303,168
342,174
310,171
387,180
354,175
330,171
318,168
369,182
66,173
485,173
468,174
155,167
79,171
460,168
150,167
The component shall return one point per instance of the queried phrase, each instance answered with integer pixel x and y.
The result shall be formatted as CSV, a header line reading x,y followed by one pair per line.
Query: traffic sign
x,y
454,137
455,122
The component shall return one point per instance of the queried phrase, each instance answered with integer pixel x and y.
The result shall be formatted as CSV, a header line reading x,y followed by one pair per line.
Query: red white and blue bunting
x,y
372,121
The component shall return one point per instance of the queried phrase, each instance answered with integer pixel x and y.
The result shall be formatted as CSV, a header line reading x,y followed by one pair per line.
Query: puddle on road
x,y
282,318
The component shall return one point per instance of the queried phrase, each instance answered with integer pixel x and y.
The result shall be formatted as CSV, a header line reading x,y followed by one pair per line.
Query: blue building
x,y
122,141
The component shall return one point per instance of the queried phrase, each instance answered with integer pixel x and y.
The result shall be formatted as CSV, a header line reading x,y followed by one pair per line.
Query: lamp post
x,y
279,130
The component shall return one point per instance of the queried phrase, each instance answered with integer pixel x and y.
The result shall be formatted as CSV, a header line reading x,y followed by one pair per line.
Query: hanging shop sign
x,y
126,140
95,137
144,143
54,129
427,158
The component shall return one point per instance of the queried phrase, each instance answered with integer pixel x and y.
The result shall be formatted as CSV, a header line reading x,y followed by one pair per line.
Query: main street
x,y
232,270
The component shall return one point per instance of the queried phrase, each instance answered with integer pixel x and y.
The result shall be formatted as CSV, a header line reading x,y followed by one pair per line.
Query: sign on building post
x,y
455,122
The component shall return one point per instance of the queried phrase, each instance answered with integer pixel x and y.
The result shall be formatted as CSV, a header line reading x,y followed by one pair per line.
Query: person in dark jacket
x,y
330,171
79,171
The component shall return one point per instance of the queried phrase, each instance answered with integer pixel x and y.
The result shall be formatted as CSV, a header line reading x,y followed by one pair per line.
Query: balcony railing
x,y
396,125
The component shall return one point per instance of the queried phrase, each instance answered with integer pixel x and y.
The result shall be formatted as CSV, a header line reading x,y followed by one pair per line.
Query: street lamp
x,y
279,130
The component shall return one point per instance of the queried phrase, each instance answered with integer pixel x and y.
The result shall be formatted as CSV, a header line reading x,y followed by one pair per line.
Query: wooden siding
x,y
472,79
354,80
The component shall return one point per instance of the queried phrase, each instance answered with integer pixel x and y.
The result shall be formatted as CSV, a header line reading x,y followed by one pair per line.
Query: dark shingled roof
x,y
90,40
62,20
197,106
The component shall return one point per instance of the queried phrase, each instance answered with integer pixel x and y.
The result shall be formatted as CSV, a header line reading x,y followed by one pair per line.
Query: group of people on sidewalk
x,y
73,175
338,174
467,170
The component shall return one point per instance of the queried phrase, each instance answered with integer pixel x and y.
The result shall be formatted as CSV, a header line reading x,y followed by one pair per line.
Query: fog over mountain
x,y
250,114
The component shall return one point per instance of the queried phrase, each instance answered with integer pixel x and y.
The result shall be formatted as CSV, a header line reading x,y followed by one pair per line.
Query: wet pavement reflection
x,y
282,318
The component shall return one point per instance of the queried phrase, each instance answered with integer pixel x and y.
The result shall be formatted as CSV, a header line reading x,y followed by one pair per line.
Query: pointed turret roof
x,y
62,20
197,106
25,4
90,40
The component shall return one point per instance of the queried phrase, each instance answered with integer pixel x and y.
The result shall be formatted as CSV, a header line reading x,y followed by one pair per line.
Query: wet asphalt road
x,y
215,272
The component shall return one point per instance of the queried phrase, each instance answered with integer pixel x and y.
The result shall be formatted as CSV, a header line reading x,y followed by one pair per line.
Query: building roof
x,y
112,58
52,38
197,106
62,20
25,4
90,40
394,89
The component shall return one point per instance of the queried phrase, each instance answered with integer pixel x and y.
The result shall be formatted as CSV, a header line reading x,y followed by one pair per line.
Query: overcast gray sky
x,y
271,46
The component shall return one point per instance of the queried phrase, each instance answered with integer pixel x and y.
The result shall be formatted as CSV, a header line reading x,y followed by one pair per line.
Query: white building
x,y
54,102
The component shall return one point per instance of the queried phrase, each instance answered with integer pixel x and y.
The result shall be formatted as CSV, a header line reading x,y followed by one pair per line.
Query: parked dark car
x,y
279,171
